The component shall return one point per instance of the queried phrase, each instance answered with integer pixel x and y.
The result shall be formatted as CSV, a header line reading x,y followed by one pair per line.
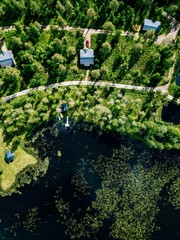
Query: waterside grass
x,y
10,171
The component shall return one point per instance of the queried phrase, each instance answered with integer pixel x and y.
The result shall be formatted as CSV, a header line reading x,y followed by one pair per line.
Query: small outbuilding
x,y
86,57
9,156
64,107
7,59
151,25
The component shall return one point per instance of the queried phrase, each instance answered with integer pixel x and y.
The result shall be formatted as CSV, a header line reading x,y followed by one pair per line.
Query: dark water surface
x,y
37,200
14,210
171,113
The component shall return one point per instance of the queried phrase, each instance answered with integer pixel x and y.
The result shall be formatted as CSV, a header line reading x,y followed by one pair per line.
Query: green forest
x,y
137,191
122,14
138,115
49,56
45,57
126,61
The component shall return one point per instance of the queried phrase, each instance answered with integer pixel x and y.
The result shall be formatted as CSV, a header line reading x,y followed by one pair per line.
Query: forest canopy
x,y
85,13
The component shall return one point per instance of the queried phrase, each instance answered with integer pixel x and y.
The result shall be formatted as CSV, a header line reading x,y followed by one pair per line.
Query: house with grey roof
x,y
86,57
7,59
151,25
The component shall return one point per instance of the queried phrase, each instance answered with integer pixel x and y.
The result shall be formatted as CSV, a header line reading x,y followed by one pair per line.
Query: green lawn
x,y
22,160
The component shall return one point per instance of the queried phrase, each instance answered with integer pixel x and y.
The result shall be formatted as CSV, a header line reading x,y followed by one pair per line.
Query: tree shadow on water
x,y
167,220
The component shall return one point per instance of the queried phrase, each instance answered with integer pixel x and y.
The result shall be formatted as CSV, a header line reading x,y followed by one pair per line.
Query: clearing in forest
x,y
10,171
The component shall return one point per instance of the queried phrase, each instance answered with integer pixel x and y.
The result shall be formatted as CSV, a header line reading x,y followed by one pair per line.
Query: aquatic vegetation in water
x,y
131,185
106,187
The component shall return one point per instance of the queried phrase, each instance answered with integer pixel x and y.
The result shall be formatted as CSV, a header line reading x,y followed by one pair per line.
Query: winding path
x,y
87,33
86,83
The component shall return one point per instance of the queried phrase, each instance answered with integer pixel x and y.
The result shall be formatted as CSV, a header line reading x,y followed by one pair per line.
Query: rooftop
x,y
151,24
86,57
9,156
6,58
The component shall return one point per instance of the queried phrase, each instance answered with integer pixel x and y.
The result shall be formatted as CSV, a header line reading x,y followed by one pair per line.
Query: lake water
x,y
37,201
171,113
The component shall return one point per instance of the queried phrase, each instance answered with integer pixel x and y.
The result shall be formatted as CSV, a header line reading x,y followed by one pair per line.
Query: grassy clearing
x,y
22,160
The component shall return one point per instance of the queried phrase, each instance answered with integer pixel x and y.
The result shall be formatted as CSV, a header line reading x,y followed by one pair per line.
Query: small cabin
x,y
86,57
64,107
151,25
7,59
9,156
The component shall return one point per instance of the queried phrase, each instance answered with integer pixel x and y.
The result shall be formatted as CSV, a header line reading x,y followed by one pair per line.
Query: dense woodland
x,y
138,115
42,57
174,89
45,57
122,14
127,204
137,62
